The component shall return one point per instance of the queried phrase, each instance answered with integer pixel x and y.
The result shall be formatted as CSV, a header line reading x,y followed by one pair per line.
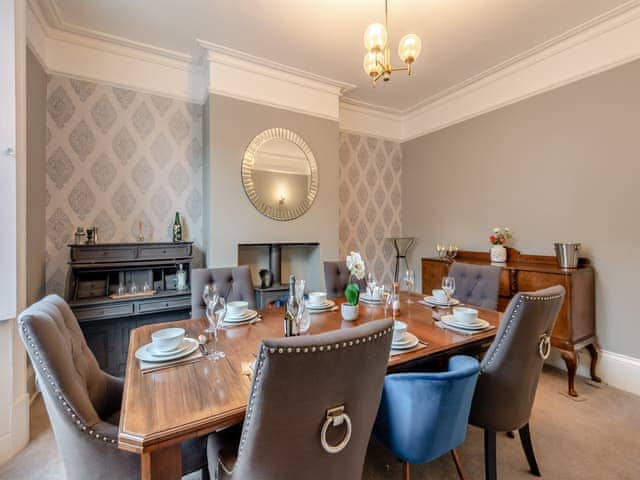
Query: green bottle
x,y
177,229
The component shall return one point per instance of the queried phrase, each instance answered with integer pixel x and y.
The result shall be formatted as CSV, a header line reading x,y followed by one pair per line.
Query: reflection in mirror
x,y
279,174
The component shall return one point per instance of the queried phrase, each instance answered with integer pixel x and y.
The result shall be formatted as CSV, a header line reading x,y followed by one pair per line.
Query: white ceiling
x,y
461,38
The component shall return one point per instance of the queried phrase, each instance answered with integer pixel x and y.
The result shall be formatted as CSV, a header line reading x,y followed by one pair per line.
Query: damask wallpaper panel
x,y
370,200
117,158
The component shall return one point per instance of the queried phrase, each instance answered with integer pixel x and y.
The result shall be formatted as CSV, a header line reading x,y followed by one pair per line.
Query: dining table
x,y
163,407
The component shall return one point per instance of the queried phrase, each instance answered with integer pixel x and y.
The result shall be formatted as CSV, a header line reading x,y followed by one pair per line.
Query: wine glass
x,y
133,288
216,316
449,286
386,299
409,281
209,293
371,284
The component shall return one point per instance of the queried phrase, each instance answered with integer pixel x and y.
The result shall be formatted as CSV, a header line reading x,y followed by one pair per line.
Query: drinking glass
x,y
371,284
409,281
133,288
146,287
122,289
209,293
449,286
216,316
386,299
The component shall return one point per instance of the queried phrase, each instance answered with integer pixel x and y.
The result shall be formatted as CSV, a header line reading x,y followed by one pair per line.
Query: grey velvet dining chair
x,y
476,284
233,283
82,401
312,405
336,278
510,370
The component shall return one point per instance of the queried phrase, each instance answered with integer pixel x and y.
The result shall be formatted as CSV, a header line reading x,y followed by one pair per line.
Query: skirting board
x,y
619,371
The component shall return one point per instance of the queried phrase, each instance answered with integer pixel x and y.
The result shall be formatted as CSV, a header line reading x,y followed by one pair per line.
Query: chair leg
x,y
205,473
456,461
406,470
490,470
527,446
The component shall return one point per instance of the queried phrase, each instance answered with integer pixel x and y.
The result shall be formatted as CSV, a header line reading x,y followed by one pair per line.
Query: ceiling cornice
x,y
604,42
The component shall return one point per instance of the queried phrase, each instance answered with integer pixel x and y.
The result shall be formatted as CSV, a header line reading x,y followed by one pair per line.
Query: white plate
x,y
246,316
479,325
433,301
406,339
411,342
157,353
145,355
328,304
368,299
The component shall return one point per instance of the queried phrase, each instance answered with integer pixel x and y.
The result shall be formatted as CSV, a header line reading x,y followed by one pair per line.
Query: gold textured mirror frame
x,y
278,212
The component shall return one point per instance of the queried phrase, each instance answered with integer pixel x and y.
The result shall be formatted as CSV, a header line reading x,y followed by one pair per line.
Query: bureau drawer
x,y
103,311
102,254
164,251
164,304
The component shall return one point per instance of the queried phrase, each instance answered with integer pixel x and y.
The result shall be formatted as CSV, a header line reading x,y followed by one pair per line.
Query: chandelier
x,y
377,60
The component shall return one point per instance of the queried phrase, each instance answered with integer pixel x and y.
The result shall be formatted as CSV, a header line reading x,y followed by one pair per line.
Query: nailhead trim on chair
x,y
533,298
297,350
58,393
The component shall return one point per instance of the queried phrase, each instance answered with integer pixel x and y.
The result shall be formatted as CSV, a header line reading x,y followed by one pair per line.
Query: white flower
x,y
506,229
496,230
355,264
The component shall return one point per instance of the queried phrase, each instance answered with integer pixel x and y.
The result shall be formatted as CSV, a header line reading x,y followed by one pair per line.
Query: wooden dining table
x,y
165,407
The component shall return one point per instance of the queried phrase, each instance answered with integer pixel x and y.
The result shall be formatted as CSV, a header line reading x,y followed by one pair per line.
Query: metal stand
x,y
402,246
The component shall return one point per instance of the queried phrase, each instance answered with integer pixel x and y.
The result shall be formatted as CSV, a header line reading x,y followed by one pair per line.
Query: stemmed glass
x,y
386,299
409,280
371,284
209,296
216,319
449,286
303,318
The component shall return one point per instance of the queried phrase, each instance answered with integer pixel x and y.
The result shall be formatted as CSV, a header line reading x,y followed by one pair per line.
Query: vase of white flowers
x,y
349,309
498,239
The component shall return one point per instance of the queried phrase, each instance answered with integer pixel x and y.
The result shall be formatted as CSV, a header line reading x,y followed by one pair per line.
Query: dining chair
x,y
476,284
422,416
510,370
82,401
233,283
312,404
336,279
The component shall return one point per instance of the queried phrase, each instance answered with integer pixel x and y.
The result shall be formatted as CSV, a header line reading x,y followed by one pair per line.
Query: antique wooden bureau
x,y
575,327
95,273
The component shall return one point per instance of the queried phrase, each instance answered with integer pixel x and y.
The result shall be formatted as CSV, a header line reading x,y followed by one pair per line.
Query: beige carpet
x,y
598,438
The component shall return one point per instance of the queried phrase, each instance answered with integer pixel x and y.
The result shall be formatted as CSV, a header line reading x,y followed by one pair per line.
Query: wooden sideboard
x,y
575,328
95,274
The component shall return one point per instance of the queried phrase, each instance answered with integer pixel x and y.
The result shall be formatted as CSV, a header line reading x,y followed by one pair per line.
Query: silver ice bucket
x,y
567,254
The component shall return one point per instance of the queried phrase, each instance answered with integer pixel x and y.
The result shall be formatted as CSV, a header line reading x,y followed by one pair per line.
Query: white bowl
x,y
440,295
167,339
237,308
465,315
399,330
317,298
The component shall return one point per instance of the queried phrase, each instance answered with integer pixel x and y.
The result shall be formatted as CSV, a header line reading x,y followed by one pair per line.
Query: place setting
x,y
464,320
373,294
442,297
403,341
168,347
317,302
239,313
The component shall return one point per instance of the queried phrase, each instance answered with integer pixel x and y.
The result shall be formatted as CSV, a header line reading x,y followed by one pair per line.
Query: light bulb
x,y
371,65
375,37
409,48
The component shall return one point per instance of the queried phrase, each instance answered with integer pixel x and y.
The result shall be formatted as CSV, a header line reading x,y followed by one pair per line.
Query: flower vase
x,y
498,254
349,312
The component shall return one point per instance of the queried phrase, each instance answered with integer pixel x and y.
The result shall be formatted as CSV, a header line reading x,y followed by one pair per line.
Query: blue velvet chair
x,y
422,416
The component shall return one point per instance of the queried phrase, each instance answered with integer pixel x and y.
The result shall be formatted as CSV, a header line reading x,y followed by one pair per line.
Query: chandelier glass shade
x,y
377,60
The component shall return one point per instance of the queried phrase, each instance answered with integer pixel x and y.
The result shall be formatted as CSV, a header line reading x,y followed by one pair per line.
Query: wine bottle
x,y
177,229
291,311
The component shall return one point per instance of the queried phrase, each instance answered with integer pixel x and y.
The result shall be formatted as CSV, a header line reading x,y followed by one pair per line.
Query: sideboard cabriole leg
x,y
571,359
594,349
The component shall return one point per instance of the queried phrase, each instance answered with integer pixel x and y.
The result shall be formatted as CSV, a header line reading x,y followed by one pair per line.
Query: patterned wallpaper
x,y
115,158
370,200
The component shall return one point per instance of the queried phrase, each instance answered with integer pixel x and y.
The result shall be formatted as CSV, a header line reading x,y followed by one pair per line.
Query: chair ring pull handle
x,y
544,346
335,417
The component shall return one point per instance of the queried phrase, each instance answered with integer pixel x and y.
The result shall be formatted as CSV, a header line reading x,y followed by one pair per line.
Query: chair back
x,y
79,397
510,369
233,283
301,387
476,284
336,279
424,415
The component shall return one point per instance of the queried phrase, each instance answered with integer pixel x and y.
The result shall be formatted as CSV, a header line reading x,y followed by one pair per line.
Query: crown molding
x,y
240,75
371,120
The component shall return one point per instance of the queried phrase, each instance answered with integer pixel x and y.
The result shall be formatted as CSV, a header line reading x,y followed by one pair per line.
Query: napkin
x,y
147,367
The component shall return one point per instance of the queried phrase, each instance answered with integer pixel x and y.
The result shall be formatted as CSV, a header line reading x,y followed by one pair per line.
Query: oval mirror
x,y
279,174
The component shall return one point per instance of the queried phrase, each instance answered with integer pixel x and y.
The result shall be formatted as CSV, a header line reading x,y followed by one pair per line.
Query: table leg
x,y
162,464
594,348
571,359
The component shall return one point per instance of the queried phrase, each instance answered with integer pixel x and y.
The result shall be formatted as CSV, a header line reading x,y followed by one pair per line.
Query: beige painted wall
x,y
564,165
36,175
230,218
